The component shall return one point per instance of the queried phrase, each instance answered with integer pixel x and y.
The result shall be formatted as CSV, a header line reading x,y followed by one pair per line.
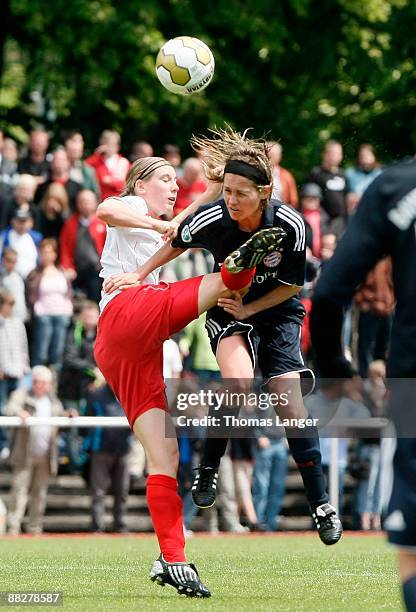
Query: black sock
x,y
214,447
307,455
409,594
213,451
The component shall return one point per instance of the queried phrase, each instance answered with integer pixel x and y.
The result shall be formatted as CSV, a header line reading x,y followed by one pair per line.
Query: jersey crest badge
x,y
273,259
186,234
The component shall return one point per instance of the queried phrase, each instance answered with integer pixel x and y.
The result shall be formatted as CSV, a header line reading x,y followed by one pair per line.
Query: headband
x,y
153,166
257,175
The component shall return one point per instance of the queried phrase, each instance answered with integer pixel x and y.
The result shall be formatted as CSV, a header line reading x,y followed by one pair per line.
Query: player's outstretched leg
x,y
328,523
182,576
253,251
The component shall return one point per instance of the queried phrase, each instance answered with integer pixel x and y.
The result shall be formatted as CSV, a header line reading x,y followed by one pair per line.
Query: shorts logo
x,y
186,234
395,521
273,259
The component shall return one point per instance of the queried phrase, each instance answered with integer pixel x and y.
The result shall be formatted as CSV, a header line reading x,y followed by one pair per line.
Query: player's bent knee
x,y
292,411
210,289
240,381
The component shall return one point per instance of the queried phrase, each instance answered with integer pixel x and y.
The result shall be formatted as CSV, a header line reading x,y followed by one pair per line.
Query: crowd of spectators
x,y
50,247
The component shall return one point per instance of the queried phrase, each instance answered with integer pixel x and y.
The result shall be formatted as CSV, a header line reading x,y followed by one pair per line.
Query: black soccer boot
x,y
204,488
182,576
255,249
327,522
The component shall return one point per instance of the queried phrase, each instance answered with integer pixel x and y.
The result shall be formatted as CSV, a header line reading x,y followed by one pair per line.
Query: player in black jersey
x,y
384,224
263,328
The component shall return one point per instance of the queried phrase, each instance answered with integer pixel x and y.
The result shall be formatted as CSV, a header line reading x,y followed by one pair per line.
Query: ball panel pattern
x,y
185,65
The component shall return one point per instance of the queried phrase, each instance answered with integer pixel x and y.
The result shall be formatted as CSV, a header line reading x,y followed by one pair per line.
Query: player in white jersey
x,y
132,328
120,253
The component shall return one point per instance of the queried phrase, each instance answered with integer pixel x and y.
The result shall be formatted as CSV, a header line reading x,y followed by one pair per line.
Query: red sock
x,y
165,508
237,281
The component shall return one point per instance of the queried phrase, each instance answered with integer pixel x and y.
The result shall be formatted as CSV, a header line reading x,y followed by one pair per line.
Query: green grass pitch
x,y
245,573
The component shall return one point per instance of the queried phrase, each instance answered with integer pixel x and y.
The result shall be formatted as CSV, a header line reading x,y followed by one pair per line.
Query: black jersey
x,y
212,228
384,224
333,185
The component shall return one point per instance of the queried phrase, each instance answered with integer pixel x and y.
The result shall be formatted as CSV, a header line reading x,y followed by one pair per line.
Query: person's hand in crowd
x,y
70,274
101,149
24,415
353,388
376,293
352,199
55,206
99,380
263,442
378,391
40,180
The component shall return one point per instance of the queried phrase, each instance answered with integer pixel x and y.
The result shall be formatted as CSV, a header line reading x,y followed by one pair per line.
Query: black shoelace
x,y
205,477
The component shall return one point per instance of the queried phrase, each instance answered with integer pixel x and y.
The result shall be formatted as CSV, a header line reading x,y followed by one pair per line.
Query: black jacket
x,y
78,364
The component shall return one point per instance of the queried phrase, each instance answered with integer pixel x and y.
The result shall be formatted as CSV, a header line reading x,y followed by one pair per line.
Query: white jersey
x,y
128,248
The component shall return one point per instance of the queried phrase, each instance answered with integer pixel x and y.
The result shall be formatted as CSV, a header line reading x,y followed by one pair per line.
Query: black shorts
x,y
400,491
274,347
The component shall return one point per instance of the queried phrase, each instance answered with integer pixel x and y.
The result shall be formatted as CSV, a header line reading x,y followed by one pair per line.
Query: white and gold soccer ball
x,y
185,65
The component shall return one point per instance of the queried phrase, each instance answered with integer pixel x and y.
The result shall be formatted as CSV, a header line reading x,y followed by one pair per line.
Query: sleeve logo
x,y
186,234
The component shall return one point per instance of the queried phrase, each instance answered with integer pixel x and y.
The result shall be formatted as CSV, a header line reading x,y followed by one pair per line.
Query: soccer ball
x,y
185,65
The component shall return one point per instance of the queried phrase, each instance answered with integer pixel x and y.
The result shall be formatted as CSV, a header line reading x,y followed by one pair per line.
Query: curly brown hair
x,y
227,144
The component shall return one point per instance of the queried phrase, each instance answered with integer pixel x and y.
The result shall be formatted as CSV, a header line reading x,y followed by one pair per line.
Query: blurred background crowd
x,y
50,247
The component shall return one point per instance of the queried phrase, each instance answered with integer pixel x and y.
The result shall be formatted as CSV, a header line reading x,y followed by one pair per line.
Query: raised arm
x,y
167,252
115,212
162,257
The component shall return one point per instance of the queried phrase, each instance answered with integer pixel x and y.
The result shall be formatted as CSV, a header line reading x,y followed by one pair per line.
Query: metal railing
x,y
345,428
62,421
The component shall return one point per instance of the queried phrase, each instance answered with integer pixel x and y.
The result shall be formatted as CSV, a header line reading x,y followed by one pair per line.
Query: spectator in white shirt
x,y
23,239
13,282
14,356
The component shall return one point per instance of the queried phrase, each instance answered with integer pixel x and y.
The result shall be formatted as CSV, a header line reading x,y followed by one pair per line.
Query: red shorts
x,y
129,345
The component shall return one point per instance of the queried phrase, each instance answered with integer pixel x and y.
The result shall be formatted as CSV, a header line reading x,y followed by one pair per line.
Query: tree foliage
x,y
299,70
